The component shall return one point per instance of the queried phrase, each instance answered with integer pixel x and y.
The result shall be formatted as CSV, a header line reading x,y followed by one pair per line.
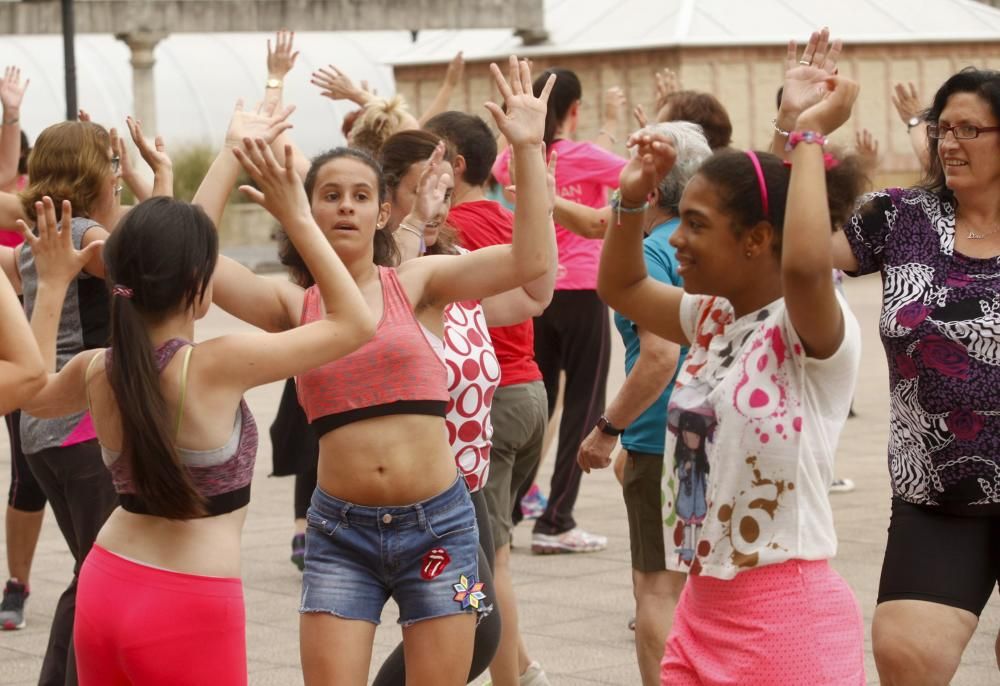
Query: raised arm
x,y
806,259
622,280
58,264
614,113
155,155
452,77
11,97
22,372
803,84
255,359
337,85
500,268
906,100
266,303
280,61
431,204
531,299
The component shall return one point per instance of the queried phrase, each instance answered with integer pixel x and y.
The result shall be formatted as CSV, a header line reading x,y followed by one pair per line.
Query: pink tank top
x,y
397,372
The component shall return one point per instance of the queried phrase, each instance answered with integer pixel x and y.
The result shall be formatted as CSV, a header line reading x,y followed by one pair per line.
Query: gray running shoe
x,y
12,607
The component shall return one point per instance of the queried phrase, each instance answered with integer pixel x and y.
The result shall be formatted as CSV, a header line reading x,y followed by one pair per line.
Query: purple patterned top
x,y
940,325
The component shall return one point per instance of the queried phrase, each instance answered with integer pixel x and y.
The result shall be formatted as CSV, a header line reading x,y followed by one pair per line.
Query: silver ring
x,y
808,63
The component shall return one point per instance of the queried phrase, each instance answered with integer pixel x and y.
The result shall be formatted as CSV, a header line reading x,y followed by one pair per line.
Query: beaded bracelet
x,y
616,206
777,129
796,137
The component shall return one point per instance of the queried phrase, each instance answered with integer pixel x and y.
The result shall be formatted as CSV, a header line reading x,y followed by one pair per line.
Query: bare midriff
x,y
387,461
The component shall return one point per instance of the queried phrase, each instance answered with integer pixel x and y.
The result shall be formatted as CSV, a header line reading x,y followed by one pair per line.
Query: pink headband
x,y
760,182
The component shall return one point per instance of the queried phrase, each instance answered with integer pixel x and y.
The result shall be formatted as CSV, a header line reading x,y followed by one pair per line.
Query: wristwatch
x,y
607,427
913,121
274,83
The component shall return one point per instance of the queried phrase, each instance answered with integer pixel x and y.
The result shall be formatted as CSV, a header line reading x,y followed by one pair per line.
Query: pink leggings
x,y
142,625
789,624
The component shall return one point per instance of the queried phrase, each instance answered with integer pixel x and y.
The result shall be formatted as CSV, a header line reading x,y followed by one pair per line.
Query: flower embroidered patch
x,y
469,592
434,562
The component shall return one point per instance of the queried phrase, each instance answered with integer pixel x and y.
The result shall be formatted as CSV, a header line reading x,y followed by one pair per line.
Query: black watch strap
x,y
607,427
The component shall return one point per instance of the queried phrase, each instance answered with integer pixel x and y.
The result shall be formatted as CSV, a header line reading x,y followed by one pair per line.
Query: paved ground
x,y
573,608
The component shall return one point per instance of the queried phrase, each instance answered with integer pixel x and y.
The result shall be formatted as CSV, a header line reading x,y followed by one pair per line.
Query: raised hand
x,y
260,123
456,68
82,115
666,85
432,189
58,262
614,104
867,146
640,116
279,189
153,152
906,100
834,107
337,85
654,158
12,90
281,60
524,121
805,76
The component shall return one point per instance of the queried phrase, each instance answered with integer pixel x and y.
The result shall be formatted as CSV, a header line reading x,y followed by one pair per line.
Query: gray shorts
x,y
520,413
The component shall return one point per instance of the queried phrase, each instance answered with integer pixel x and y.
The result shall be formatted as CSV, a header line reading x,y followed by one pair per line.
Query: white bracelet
x,y
418,234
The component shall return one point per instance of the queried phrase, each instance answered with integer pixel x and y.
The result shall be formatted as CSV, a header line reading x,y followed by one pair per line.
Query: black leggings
x,y
393,671
24,495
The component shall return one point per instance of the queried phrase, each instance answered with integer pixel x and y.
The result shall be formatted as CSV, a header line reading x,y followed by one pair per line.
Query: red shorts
x,y
137,624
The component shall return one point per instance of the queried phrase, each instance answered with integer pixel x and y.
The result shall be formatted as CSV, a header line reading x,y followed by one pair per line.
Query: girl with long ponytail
x,y
173,427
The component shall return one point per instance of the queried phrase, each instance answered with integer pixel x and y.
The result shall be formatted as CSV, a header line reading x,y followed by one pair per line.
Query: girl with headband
x,y
758,404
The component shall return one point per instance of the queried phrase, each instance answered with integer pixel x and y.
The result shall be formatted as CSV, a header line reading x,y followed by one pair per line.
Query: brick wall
x,y
745,79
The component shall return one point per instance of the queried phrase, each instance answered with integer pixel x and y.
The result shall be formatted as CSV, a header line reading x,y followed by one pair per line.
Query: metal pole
x,y
69,58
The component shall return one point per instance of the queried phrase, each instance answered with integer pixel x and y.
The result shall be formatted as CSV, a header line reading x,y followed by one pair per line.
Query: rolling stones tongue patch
x,y
433,563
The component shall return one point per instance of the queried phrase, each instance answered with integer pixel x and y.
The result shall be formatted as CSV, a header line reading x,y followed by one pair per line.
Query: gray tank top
x,y
84,324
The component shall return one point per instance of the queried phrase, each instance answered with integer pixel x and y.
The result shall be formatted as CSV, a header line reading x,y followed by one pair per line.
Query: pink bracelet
x,y
796,137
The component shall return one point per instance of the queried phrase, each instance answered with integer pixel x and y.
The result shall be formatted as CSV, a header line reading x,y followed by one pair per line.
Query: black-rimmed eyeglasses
x,y
962,132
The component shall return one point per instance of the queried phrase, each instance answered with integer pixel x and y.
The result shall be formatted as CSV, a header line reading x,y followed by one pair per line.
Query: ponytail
x,y
160,261
148,443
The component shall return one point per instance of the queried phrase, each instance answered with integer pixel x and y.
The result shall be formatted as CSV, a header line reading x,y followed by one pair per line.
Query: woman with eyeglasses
x,y
70,161
937,247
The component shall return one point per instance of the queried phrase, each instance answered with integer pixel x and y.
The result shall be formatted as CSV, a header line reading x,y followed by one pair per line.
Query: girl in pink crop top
x,y
388,459
174,429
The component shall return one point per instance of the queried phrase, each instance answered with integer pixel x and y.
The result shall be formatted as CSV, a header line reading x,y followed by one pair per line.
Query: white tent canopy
x,y
198,80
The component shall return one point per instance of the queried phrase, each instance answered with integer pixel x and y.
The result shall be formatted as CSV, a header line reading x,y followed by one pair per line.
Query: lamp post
x,y
69,59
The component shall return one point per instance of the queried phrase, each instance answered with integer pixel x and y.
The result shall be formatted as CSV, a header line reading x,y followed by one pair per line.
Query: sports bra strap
x,y
88,375
184,380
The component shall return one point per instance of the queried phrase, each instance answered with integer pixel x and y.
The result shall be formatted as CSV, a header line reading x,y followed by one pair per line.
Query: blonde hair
x,y
70,161
379,120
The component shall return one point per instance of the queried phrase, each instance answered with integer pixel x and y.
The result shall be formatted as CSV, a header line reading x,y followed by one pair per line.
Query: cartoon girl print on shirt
x,y
694,426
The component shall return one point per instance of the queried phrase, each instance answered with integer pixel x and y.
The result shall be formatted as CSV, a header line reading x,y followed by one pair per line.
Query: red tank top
x,y
397,372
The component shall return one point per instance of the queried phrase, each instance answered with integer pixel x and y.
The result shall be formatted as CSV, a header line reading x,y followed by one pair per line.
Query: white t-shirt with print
x,y
752,430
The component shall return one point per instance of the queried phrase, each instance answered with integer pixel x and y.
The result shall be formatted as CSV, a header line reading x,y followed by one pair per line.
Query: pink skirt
x,y
780,625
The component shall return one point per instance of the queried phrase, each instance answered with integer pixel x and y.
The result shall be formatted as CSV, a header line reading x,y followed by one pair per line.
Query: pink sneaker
x,y
573,541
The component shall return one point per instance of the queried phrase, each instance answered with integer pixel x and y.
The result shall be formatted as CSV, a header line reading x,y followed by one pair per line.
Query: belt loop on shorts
x,y
343,514
421,516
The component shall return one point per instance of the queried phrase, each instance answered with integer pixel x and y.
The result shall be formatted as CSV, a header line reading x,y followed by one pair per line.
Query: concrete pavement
x,y
574,609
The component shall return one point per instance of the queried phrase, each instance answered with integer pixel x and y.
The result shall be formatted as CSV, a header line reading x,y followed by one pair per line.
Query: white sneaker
x,y
841,486
573,541
534,676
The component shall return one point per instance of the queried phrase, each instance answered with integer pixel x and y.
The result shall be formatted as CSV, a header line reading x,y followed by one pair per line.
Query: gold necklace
x,y
973,235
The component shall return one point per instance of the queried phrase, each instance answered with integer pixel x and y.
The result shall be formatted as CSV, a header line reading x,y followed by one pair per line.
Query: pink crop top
x,y
222,476
397,372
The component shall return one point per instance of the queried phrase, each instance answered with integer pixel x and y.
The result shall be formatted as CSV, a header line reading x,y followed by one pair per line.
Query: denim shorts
x,y
424,556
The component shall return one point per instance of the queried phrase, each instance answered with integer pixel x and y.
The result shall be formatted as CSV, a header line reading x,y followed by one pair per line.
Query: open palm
x,y
524,121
